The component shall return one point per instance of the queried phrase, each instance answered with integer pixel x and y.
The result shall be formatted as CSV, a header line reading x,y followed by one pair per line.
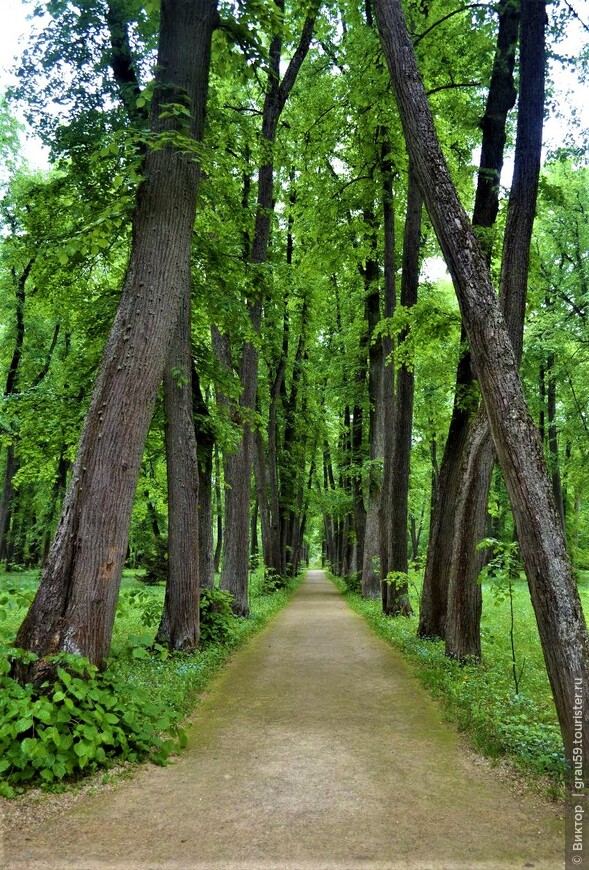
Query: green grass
x,y
481,699
169,683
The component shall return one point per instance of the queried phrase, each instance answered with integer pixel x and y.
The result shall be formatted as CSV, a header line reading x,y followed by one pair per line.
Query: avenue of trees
x,y
221,342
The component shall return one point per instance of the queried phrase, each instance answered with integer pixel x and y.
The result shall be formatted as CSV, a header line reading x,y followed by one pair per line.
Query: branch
x,y
296,61
418,37
43,372
579,409
576,15
451,85
121,64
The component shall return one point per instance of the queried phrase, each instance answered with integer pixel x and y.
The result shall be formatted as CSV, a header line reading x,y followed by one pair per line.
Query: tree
x,y
464,593
553,592
500,100
74,607
395,494
238,468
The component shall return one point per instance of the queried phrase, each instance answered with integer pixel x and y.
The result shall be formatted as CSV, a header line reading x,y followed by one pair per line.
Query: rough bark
x,y
464,595
554,595
205,445
553,461
388,375
500,100
10,389
74,607
181,603
179,625
219,514
396,591
371,553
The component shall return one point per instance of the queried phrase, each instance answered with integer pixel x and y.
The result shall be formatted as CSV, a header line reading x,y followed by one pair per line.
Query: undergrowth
x,y
84,719
482,699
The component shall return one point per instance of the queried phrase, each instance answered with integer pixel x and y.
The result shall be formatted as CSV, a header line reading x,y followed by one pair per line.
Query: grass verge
x,y
85,720
481,700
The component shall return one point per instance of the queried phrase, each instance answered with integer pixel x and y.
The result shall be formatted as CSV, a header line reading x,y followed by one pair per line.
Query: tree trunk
x,y
371,554
463,636
179,625
263,501
9,390
464,597
553,591
553,462
219,507
396,591
205,445
434,596
74,607
10,470
57,493
500,100
388,377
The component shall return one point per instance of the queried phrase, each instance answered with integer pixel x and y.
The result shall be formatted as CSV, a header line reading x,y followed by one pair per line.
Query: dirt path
x,y
315,750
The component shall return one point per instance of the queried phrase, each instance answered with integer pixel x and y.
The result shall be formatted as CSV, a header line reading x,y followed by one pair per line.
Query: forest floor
x,y
315,749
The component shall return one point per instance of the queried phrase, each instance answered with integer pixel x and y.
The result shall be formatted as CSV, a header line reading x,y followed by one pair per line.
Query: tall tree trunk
x,y
396,591
290,471
554,595
263,501
371,554
254,546
205,445
57,492
500,100
10,389
176,629
179,625
234,572
74,607
464,595
219,515
553,462
388,377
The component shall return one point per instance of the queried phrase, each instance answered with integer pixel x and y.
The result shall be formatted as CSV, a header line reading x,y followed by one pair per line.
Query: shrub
x,y
272,581
353,582
76,721
155,564
217,620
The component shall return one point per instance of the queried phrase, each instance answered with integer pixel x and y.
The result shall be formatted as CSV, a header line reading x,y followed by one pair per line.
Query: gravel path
x,y
316,749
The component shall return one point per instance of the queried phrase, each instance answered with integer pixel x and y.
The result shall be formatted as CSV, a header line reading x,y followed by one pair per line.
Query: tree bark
x,y
74,607
553,462
205,445
10,389
388,376
179,625
464,596
396,591
500,100
219,516
371,554
553,591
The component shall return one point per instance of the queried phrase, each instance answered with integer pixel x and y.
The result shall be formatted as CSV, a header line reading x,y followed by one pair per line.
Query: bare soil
x,y
316,749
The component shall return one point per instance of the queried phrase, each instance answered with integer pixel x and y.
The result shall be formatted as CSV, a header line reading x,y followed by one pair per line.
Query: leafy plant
x,y
77,720
353,582
271,581
217,620
501,572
